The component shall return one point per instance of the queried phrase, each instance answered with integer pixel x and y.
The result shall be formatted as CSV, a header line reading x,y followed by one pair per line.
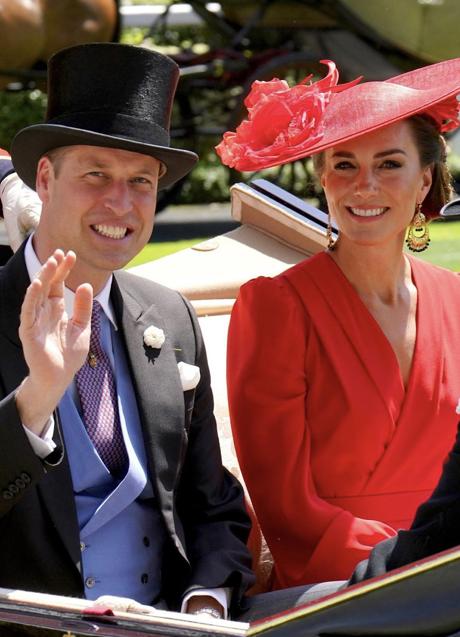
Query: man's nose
x,y
119,198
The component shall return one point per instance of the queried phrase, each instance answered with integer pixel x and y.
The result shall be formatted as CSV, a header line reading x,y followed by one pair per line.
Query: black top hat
x,y
111,95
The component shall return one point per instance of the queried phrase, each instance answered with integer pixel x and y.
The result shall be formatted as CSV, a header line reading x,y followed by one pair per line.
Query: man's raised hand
x,y
55,345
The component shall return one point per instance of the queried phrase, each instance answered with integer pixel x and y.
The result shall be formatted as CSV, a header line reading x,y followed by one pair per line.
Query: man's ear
x,y
45,175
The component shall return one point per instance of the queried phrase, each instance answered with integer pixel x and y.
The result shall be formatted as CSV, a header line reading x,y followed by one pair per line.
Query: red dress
x,y
335,453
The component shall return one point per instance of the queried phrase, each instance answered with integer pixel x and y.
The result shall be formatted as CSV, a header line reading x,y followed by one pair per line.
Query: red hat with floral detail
x,y
285,124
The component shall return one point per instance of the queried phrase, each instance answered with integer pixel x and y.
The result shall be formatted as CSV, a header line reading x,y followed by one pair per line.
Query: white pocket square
x,y
189,375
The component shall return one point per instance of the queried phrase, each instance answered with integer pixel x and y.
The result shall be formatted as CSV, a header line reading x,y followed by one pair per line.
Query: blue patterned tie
x,y
98,398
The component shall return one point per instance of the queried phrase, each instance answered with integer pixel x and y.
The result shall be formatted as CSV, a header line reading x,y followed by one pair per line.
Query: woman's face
x,y
373,183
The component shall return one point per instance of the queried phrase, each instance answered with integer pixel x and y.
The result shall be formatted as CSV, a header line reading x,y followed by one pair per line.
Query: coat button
x,y
6,494
82,546
19,482
144,578
12,488
25,477
146,541
90,582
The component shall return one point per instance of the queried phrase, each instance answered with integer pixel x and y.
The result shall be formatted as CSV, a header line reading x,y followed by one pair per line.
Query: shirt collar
x,y
33,266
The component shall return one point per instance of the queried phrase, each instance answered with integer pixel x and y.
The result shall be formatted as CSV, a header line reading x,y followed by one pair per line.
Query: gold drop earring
x,y
418,234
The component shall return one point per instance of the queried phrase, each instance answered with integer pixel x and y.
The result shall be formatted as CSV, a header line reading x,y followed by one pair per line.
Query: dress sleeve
x,y
310,539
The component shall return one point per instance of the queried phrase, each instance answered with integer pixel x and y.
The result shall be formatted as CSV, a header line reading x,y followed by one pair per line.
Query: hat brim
x,y
367,107
433,75
344,113
31,143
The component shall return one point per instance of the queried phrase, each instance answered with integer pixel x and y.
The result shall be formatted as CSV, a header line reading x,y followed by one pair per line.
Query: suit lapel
x,y
158,391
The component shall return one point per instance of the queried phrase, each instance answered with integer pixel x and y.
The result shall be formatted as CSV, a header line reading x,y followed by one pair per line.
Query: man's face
x,y
98,202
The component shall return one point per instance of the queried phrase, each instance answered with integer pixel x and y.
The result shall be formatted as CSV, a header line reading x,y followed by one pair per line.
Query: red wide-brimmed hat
x,y
285,124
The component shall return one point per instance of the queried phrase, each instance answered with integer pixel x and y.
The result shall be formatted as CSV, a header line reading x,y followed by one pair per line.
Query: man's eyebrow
x,y
146,170
91,162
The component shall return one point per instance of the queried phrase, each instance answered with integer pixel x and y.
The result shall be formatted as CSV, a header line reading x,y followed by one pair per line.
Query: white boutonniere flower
x,y
154,337
189,375
457,409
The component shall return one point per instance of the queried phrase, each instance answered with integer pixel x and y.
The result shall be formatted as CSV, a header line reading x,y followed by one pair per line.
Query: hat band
x,y
115,125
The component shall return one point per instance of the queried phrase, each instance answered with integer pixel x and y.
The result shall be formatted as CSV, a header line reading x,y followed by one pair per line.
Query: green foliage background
x,y
19,109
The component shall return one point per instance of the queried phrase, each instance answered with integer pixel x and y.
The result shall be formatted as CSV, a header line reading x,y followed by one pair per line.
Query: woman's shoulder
x,y
434,272
284,282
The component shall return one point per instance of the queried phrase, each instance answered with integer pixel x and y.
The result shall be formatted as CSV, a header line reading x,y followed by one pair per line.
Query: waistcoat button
x,y
90,582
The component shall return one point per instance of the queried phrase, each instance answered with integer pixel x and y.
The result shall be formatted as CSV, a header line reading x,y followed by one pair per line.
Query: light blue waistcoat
x,y
121,529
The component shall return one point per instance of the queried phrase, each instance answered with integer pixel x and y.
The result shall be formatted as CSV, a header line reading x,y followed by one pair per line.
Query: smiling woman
x,y
342,423
374,183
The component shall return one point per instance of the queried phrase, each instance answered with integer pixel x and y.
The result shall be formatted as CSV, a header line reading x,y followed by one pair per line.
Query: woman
x,y
344,371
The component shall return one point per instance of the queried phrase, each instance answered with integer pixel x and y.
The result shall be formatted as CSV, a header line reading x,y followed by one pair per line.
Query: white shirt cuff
x,y
221,595
42,445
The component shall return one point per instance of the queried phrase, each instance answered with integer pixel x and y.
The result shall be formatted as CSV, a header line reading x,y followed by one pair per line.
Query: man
x,y
111,480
